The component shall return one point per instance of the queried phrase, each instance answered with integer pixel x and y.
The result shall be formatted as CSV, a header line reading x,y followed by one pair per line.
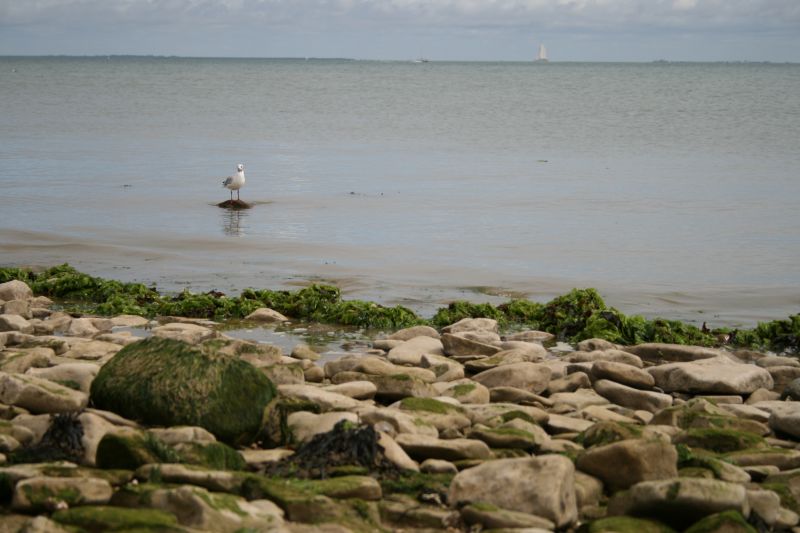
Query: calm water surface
x,y
672,188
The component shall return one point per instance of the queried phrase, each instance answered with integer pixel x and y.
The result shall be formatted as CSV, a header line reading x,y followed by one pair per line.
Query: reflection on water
x,y
233,222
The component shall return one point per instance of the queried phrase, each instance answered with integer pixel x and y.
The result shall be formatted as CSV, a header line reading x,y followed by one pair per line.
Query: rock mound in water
x,y
166,382
235,204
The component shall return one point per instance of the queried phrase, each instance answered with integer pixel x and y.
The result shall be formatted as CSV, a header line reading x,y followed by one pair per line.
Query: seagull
x,y
234,183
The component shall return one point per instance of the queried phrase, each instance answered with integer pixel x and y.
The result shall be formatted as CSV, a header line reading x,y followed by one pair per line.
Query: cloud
x,y
574,14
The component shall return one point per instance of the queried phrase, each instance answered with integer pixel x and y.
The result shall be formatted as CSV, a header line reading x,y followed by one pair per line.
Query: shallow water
x,y
671,188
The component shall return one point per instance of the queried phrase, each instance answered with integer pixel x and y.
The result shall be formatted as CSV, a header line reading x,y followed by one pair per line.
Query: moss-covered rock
x,y
724,522
607,432
169,383
625,524
109,518
720,440
131,450
215,455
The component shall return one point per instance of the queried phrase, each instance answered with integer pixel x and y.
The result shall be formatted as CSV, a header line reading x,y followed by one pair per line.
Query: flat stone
x,y
601,413
39,395
613,355
421,447
529,354
627,462
266,315
718,375
395,453
19,361
543,486
557,424
622,373
186,332
129,321
496,413
783,376
45,493
91,350
515,395
632,398
257,459
82,327
465,391
438,466
391,387
569,383
459,344
15,323
399,421
18,307
81,374
328,401
527,376
579,399
183,434
359,390
658,352
216,480
497,518
531,335
680,502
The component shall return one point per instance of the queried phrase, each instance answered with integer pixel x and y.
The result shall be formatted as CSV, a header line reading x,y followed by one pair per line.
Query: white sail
x,y
542,53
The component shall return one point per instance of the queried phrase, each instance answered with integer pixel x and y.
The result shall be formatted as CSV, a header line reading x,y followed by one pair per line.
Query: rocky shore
x,y
129,423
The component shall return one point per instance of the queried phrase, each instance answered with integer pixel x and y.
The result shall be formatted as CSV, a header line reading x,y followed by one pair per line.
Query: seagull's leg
x,y
231,195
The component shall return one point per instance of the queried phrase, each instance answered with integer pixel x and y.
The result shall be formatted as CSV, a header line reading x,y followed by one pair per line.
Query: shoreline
x,y
574,316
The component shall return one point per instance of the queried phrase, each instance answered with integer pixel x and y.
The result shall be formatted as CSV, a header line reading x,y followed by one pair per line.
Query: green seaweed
x,y
110,518
724,521
575,316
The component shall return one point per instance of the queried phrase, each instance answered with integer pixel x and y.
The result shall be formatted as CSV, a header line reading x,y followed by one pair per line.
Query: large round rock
x,y
166,382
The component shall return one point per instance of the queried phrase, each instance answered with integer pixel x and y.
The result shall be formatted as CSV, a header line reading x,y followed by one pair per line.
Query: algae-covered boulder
x,y
166,382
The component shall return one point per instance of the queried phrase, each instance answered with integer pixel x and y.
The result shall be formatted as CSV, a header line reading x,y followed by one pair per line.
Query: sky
x,y
472,30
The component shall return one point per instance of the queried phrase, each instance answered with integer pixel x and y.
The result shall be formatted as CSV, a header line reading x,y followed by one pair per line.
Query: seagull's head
x,y
240,167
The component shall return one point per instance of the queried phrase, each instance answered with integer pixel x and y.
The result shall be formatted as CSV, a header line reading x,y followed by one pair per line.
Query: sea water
x,y
671,188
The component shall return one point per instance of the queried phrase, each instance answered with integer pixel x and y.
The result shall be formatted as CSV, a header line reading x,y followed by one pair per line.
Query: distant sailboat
x,y
542,57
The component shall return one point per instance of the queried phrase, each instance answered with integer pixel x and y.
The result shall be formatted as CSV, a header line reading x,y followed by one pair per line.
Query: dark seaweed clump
x,y
575,316
346,445
61,442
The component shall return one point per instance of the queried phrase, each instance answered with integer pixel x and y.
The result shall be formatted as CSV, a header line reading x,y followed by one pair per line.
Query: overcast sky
x,y
511,30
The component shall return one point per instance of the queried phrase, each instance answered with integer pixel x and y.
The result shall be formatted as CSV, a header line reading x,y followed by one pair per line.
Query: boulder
x,y
304,425
82,327
15,290
168,383
526,376
304,351
717,375
543,486
17,307
531,335
613,355
391,387
129,321
627,462
465,391
19,361
359,390
94,350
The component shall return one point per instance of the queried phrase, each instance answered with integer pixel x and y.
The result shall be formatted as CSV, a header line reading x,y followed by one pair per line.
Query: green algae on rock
x,y
166,382
109,518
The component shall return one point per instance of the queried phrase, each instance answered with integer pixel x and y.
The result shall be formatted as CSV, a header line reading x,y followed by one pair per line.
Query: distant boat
x,y
542,56
421,60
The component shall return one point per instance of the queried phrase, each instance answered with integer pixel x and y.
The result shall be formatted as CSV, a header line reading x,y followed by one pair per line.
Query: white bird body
x,y
235,182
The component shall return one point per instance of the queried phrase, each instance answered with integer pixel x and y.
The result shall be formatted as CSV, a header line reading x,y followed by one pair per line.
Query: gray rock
x,y
590,345
189,333
18,307
328,401
627,462
438,466
359,390
557,424
531,336
632,398
492,517
304,425
497,413
391,387
569,383
82,327
465,391
19,361
183,434
579,399
395,453
304,351
614,355
542,486
129,321
782,376
400,421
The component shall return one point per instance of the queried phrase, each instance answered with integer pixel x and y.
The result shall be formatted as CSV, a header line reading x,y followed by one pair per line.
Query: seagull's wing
x,y
227,181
